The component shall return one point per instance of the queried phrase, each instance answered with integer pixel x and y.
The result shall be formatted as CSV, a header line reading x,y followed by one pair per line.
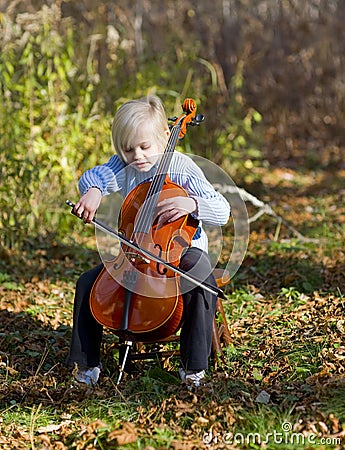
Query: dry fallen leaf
x,y
53,427
125,435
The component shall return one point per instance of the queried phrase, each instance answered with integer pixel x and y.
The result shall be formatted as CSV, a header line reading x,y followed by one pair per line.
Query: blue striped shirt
x,y
114,176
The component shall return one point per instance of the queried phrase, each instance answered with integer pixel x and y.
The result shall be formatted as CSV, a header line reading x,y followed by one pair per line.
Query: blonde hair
x,y
131,116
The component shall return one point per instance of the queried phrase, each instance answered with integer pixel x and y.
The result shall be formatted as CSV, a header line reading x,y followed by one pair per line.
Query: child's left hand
x,y
173,208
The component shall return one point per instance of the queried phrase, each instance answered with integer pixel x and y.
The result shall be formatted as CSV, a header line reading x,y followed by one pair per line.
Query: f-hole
x,y
160,268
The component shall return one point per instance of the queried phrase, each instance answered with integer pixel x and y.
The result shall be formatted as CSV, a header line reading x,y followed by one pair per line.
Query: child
x,y
140,134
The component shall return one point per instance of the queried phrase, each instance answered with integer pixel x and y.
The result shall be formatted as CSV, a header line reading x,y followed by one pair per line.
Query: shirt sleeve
x,y
102,177
212,207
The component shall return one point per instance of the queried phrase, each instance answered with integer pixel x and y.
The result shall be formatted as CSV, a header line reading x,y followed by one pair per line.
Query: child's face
x,y
144,149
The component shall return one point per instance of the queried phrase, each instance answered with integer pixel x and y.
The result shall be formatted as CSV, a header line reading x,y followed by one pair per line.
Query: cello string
x,y
164,164
144,221
145,218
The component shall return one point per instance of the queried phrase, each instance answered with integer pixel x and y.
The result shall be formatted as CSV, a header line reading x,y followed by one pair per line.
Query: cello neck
x,y
146,216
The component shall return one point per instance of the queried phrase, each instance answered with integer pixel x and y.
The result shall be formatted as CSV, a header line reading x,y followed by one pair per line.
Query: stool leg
x,y
128,345
220,332
216,345
225,335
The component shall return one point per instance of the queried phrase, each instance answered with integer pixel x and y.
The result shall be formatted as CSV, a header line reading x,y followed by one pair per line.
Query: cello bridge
x,y
135,257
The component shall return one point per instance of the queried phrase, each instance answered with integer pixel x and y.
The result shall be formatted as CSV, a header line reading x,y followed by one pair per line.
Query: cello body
x,y
155,308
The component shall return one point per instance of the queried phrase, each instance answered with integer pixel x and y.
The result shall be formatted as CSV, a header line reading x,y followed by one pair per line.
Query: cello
x,y
134,295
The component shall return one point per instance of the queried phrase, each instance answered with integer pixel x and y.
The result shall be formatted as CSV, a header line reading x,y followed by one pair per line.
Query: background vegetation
x,y
269,77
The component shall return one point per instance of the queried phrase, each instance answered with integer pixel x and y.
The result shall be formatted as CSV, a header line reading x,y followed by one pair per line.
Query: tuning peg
x,y
198,119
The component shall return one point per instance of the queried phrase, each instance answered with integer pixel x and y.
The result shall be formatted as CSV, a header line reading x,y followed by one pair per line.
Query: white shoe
x,y
192,377
88,376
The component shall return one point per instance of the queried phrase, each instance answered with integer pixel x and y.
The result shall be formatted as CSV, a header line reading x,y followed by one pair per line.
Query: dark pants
x,y
198,314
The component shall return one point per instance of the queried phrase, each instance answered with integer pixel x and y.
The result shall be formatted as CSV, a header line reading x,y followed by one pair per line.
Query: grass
x,y
283,368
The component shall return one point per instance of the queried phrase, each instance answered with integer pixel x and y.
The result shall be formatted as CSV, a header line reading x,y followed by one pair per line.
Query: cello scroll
x,y
190,117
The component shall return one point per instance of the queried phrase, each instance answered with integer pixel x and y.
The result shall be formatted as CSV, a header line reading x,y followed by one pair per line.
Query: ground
x,y
283,372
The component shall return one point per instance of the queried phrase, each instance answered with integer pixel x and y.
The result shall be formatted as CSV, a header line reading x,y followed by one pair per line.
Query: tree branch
x,y
264,208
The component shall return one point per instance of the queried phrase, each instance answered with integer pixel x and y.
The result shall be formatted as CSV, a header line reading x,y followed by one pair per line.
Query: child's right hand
x,y
88,204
